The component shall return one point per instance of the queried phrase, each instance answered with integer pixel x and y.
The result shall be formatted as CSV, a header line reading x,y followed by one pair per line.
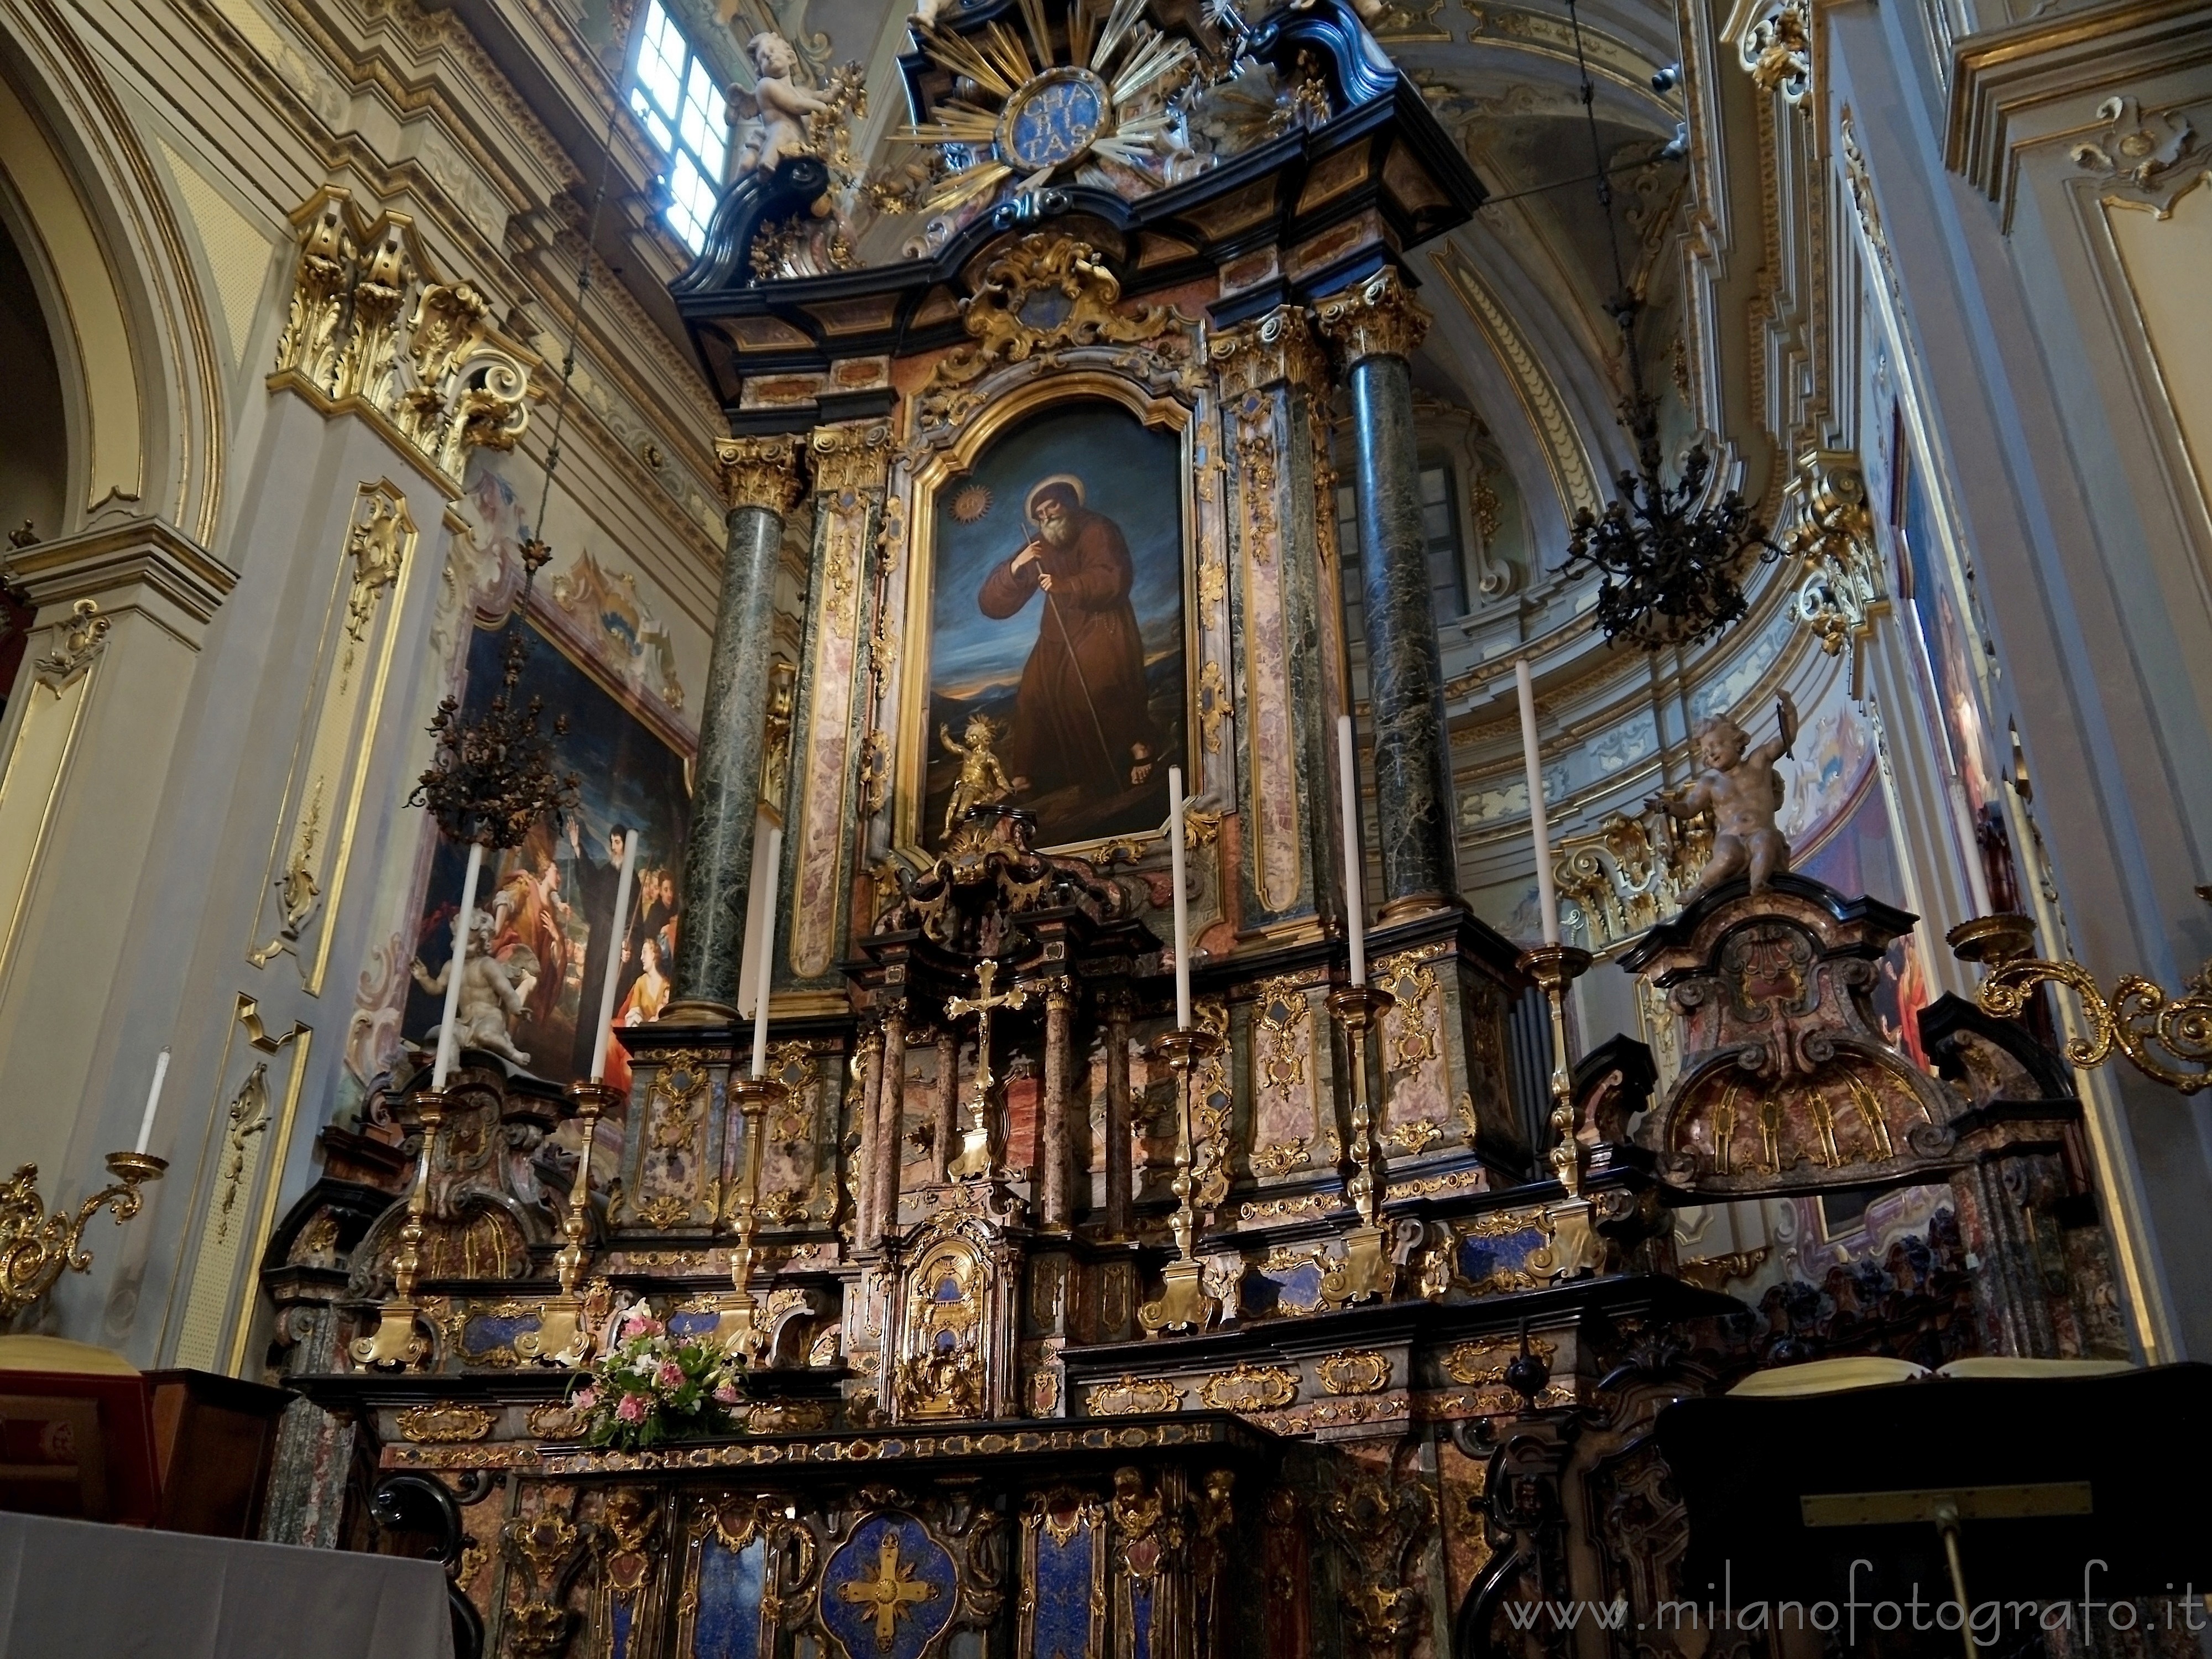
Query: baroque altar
x,y
1069,1333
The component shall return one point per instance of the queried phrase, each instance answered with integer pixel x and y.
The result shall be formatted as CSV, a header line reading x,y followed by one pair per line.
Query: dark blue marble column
x,y
1377,325
761,477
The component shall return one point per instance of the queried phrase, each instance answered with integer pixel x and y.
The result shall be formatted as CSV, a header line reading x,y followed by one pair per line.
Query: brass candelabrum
x,y
397,1343
1555,967
35,1248
560,1339
1183,1303
738,1328
1368,1271
2168,1038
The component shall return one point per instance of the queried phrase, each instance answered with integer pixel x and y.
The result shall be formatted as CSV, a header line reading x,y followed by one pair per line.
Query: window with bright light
x,y
673,93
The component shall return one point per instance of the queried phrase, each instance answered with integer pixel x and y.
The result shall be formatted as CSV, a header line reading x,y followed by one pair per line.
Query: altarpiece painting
x,y
1055,650
551,900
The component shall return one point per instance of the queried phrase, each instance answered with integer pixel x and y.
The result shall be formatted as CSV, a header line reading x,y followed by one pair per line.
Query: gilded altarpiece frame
x,y
1047,325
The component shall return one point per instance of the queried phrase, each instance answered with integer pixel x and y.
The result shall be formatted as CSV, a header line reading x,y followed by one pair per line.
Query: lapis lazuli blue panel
x,y
889,1589
731,1583
1485,1259
684,1327
490,1333
1061,1626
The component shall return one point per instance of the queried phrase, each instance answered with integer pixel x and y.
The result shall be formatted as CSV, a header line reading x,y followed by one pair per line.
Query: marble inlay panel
x,y
829,759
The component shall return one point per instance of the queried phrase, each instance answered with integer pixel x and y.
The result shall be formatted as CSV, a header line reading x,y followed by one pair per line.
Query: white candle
x,y
443,1065
1355,904
1532,757
153,1100
614,960
771,847
1181,899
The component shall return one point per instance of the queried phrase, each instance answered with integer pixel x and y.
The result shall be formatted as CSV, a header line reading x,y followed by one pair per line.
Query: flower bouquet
x,y
649,1386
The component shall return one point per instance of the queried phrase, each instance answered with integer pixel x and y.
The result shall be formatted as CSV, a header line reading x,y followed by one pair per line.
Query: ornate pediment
x,y
1788,1082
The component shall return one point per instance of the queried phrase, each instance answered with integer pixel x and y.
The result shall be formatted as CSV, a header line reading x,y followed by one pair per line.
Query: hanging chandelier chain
x,y
1624,304
1667,560
576,317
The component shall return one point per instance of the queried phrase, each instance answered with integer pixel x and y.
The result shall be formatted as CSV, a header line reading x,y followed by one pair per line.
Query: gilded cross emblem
x,y
975,1158
889,1592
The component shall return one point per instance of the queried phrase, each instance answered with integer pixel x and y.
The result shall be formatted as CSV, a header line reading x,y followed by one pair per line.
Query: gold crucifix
x,y
975,1158
889,1591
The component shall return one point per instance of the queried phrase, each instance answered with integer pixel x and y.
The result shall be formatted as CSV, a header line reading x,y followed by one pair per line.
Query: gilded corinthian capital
x,y
1378,317
760,471
847,460
1278,348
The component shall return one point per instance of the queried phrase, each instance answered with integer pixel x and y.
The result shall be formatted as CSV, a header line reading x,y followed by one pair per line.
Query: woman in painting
x,y
647,996
529,915
1081,715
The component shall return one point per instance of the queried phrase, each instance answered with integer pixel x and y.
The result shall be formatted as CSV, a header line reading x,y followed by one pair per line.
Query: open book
x,y
1833,1375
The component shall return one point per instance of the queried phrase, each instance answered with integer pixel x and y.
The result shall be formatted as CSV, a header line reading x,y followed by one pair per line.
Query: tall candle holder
x,y
560,1339
738,1329
397,1343
1183,1303
1555,967
1367,1270
2168,1038
35,1248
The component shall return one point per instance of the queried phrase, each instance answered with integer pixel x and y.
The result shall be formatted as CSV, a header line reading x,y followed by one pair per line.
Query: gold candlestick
x,y
2168,1038
1183,1303
1555,967
396,1343
560,1338
36,1247
736,1330
1367,1270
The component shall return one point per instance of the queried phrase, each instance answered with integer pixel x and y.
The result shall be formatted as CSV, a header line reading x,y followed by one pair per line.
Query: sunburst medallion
x,y
1045,103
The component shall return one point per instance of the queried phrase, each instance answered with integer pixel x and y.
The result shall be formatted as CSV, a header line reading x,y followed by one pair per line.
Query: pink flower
x,y
671,1375
727,1394
585,1399
633,1409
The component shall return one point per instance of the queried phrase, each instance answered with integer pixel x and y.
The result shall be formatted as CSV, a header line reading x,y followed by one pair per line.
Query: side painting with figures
x,y
1056,659
546,908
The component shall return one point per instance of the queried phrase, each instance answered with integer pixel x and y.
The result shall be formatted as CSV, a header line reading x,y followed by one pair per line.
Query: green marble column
x,y
1377,325
761,478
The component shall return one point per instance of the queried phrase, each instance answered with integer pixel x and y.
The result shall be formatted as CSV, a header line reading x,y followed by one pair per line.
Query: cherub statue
x,y
1739,784
490,1005
983,781
779,104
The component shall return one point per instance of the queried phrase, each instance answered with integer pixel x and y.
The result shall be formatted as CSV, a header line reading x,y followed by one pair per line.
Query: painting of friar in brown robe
x,y
1080,715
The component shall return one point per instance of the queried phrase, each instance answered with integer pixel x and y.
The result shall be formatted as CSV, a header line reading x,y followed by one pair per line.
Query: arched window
x,y
673,93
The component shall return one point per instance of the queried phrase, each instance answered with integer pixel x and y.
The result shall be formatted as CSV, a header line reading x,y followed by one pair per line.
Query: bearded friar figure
x,y
1080,717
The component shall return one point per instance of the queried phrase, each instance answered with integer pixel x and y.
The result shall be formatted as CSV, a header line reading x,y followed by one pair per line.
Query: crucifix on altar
x,y
978,1155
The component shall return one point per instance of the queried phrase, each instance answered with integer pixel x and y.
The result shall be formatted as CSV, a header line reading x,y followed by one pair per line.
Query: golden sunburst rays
x,y
1134,60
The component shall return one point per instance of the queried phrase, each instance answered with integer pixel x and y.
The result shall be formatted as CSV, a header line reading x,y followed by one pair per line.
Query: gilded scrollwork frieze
x,y
1841,596
1129,1396
373,329
2146,158
1004,329
1777,50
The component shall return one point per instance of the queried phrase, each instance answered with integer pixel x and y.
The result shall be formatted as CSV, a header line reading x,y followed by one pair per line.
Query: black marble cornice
x,y
1414,1323
1682,929
1417,183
